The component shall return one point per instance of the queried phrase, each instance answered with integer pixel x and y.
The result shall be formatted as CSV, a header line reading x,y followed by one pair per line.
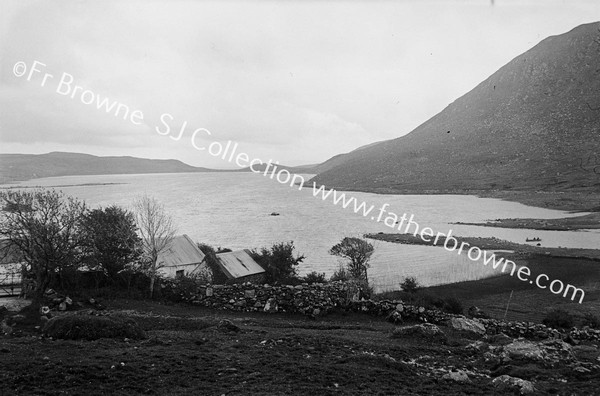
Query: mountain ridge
x,y
532,125
18,167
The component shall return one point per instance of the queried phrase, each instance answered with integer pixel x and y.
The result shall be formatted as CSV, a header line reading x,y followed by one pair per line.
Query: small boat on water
x,y
533,240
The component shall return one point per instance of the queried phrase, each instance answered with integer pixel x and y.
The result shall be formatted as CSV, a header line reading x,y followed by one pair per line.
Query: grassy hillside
x,y
29,166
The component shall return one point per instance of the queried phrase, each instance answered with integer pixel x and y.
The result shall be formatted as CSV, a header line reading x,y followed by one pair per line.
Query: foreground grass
x,y
187,352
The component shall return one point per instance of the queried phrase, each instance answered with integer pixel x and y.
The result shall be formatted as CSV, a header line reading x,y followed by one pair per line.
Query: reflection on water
x,y
232,210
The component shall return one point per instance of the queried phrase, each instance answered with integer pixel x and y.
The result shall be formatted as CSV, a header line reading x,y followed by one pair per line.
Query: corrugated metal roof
x,y
183,251
239,264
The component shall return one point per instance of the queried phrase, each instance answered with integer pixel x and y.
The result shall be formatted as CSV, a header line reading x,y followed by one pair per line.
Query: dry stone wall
x,y
320,299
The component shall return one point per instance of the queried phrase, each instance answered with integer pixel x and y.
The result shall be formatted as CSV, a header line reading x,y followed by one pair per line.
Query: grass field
x,y
187,352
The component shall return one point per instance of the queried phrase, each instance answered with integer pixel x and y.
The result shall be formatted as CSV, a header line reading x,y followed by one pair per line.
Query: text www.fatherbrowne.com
x,y
67,86
450,243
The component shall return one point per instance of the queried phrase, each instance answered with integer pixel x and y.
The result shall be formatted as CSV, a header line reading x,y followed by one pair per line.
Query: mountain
x,y
28,166
533,125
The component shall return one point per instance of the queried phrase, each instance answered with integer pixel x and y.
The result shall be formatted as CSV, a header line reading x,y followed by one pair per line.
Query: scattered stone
x,y
467,325
506,382
6,329
424,330
227,325
457,376
524,350
499,339
395,317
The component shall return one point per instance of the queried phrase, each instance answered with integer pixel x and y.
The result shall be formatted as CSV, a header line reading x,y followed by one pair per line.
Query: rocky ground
x,y
193,350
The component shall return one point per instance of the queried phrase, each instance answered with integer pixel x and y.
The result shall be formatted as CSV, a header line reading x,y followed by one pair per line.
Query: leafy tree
x,y
279,262
156,230
358,253
43,226
218,277
110,240
410,285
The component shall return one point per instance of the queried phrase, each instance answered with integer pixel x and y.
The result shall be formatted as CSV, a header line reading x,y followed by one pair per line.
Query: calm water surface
x,y
233,210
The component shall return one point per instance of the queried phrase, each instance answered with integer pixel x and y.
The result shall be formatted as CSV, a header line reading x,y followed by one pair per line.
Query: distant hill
x,y
533,125
29,166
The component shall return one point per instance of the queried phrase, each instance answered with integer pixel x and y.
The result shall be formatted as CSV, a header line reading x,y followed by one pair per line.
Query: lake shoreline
x,y
517,249
585,222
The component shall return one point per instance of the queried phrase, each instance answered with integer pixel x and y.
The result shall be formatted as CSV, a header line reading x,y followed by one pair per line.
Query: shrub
x,y
340,274
410,284
591,320
558,318
426,299
453,305
90,327
183,287
315,277
218,277
279,262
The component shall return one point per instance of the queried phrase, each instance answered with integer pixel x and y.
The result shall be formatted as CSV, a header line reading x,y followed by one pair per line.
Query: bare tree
x,y
42,226
156,230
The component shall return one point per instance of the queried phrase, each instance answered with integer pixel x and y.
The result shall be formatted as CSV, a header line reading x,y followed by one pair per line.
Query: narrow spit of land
x,y
523,250
589,221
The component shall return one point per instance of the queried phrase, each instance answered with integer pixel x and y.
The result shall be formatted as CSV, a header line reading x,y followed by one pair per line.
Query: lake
x,y
233,210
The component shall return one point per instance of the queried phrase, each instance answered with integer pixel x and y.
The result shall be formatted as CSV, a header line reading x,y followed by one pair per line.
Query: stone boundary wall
x,y
315,299
319,299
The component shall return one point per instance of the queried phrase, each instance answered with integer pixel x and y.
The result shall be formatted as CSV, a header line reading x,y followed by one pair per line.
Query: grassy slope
x,y
271,354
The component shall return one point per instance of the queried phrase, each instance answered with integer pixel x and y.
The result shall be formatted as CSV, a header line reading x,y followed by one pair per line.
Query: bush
x,y
340,275
410,284
182,288
218,276
591,320
90,327
453,305
315,277
559,318
279,263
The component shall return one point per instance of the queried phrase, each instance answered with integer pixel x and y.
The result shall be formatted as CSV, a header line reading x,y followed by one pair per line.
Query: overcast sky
x,y
295,81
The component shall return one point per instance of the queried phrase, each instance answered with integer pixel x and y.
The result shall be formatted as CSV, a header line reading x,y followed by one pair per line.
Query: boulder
x,y
394,317
508,383
457,376
522,349
467,325
227,325
545,352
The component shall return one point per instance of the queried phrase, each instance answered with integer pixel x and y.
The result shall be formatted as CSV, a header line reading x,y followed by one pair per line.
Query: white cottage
x,y
183,257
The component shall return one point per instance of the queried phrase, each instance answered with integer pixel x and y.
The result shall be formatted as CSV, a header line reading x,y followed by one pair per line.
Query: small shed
x,y
239,266
182,257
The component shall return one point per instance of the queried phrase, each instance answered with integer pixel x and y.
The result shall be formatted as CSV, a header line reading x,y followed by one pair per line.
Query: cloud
x,y
295,81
